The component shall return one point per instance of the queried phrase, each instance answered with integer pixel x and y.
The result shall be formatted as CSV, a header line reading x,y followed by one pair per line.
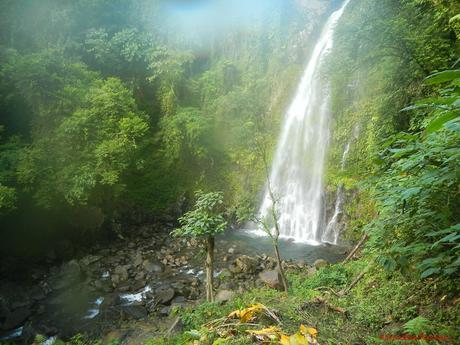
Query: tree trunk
x,y
209,268
280,267
352,253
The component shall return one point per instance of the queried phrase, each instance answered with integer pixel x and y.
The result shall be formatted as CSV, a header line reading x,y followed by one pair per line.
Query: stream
x,y
136,279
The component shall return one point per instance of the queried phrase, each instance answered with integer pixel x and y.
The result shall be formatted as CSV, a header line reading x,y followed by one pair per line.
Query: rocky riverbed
x,y
117,290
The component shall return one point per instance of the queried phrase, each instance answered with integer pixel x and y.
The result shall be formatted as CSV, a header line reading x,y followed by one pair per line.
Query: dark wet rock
x,y
135,311
110,300
181,288
15,318
320,263
125,287
224,296
178,299
153,266
115,279
139,284
164,295
89,259
165,310
271,278
121,272
137,259
139,276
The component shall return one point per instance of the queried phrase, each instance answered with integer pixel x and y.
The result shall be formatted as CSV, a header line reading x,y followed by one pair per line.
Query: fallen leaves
x,y
305,336
247,314
253,317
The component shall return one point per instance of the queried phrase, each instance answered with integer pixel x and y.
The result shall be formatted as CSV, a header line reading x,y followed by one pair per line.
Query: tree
x,y
205,220
270,224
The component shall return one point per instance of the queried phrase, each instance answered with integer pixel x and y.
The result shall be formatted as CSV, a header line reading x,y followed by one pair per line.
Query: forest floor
x,y
128,289
381,308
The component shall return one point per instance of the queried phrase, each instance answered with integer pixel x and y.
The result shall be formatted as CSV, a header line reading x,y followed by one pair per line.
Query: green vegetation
x,y
103,114
381,304
111,109
401,162
205,220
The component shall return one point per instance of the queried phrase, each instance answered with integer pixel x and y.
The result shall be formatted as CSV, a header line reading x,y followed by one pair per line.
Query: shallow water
x,y
78,306
249,243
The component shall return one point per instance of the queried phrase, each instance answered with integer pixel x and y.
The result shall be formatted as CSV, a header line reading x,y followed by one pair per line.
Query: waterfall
x,y
296,176
332,231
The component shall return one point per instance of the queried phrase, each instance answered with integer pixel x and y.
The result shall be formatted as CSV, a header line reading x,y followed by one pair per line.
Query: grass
x,y
381,304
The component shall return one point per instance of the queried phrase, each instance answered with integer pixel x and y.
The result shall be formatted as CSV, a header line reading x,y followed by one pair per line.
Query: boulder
x,y
164,295
179,299
135,311
15,318
153,266
320,263
110,300
271,278
139,276
122,273
224,296
165,310
137,285
246,264
115,279
89,259
137,259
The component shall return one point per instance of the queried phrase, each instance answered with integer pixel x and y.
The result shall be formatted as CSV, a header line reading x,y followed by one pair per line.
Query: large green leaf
x,y
439,122
442,77
430,271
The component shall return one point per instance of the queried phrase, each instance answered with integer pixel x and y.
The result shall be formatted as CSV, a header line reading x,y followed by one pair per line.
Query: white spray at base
x,y
296,176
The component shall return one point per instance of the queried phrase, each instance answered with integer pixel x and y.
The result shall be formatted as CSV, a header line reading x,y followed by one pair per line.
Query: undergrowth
x,y
379,309
382,308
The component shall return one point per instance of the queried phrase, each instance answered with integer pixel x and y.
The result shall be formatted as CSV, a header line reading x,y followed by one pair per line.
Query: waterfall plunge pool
x,y
248,243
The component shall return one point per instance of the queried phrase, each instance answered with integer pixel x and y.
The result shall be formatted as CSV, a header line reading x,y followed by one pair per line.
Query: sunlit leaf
x,y
308,330
442,77
438,123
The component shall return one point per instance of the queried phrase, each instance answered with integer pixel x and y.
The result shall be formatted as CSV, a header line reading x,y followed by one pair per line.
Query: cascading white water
x,y
332,231
296,176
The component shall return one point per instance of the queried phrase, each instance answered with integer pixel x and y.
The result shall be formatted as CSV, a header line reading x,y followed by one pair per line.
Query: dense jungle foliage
x,y
113,112
107,115
395,73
